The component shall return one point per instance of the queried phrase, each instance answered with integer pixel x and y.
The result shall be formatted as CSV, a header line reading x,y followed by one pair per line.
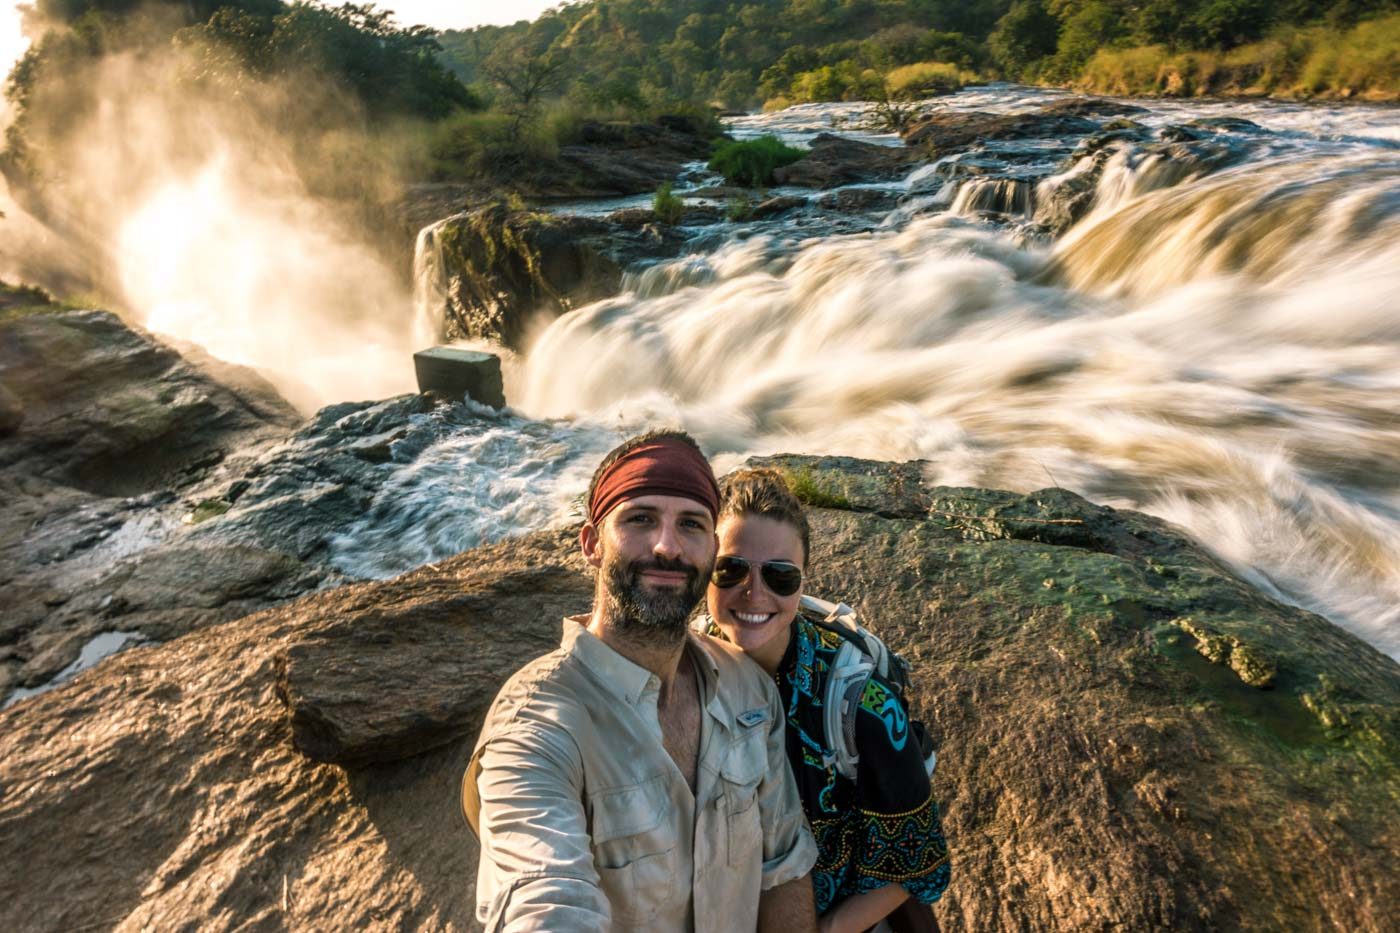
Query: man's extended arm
x,y
536,870
788,908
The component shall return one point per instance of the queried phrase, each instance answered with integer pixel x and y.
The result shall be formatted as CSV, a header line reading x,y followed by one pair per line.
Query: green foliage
x,y
392,70
812,490
739,208
667,206
1025,36
924,79
1363,61
751,162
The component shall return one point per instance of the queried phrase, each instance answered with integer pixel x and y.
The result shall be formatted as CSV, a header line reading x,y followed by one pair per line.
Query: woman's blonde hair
x,y
763,491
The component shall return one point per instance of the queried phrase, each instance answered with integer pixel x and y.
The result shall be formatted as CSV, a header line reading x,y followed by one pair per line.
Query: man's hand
x,y
788,908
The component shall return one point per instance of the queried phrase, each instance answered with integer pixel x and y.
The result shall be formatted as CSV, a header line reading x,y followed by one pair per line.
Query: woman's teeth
x,y
751,618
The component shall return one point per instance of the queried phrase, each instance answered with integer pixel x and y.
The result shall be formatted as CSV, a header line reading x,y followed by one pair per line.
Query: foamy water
x,y
1223,352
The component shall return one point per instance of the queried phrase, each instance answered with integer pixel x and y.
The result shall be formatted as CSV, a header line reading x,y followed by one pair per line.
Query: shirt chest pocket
x,y
635,849
744,768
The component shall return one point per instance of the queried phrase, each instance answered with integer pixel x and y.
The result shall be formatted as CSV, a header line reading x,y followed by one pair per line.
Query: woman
x,y
879,839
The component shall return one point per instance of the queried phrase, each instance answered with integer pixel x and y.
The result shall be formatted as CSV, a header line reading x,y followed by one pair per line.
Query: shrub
x,y
739,208
751,162
925,79
1317,60
668,207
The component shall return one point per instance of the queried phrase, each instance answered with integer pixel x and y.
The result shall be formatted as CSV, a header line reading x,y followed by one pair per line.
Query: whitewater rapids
x,y
1222,352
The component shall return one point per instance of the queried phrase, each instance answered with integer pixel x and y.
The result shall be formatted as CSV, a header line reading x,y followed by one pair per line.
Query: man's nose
x,y
668,541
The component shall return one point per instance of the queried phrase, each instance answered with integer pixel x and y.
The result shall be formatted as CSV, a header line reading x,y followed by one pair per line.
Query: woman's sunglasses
x,y
782,577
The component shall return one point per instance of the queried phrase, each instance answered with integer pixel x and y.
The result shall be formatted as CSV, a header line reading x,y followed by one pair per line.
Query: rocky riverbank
x,y
496,269
1130,736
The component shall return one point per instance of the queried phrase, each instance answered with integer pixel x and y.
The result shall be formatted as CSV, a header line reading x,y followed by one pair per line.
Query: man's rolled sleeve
x,y
789,851
536,870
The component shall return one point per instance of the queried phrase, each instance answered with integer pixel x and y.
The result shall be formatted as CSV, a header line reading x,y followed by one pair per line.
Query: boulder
x,y
11,412
112,411
501,268
950,131
115,424
1107,755
615,159
773,207
858,200
1092,107
838,160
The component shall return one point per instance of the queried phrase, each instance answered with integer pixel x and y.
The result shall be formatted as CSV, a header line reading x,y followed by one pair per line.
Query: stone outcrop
x,y
1107,755
112,426
838,160
613,159
502,268
947,131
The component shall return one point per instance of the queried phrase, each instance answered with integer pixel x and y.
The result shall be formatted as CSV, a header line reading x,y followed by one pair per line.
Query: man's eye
x,y
638,518
695,523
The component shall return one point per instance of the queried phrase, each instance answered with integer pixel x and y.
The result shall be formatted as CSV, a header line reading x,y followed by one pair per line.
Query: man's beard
x,y
655,616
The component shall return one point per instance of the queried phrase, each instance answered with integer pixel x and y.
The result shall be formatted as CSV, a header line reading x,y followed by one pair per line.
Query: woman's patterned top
x,y
884,826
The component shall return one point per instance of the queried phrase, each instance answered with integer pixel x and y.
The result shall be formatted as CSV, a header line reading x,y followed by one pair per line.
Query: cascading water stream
x,y
1222,351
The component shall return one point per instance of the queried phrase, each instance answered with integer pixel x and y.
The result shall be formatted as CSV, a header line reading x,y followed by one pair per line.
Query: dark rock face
x,y
773,207
857,200
502,267
1104,761
111,412
835,160
1092,107
114,425
949,131
613,159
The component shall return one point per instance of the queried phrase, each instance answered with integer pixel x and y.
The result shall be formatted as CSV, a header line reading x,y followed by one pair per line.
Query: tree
x,y
1023,37
527,74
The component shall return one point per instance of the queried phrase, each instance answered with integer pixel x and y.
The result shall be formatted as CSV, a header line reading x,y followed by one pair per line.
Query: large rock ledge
x,y
1105,760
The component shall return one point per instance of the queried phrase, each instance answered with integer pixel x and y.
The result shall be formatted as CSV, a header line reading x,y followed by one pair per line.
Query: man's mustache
x,y
665,565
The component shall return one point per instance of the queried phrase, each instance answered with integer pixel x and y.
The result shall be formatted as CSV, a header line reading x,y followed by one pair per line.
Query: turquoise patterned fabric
x,y
883,827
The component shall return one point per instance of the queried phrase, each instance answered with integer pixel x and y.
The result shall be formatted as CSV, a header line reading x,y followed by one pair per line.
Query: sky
x,y
461,14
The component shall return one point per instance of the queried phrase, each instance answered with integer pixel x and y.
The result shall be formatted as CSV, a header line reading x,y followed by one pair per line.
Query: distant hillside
x,y
740,54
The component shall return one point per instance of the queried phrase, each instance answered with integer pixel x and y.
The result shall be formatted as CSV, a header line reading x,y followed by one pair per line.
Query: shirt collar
x,y
629,681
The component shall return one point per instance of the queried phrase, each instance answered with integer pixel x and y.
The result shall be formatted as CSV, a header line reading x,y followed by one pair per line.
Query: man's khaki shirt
x,y
585,821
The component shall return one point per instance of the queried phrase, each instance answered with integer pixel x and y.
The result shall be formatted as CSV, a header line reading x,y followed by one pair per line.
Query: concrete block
x,y
453,372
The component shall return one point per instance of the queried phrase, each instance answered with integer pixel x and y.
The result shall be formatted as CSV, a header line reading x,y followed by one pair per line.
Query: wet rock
x,y
858,200
112,411
614,159
456,373
11,412
1080,726
701,215
1092,107
837,160
949,131
633,217
1226,125
772,207
115,423
503,268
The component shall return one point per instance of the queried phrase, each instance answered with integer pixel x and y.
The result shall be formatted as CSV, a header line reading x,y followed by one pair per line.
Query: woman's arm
x,y
863,911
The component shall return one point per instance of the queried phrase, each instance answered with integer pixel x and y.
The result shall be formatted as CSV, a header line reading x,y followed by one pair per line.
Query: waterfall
x,y
1011,196
1285,222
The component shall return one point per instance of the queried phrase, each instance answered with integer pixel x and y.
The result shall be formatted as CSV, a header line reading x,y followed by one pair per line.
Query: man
x,y
636,778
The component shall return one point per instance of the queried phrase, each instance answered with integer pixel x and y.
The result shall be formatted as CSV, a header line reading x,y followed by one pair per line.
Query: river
x,y
1221,351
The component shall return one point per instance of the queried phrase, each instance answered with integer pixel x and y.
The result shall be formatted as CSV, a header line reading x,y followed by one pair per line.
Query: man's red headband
x,y
667,466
